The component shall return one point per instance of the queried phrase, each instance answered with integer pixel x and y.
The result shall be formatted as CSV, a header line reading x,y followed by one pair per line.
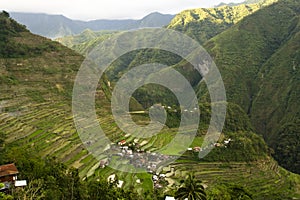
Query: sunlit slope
x,y
204,23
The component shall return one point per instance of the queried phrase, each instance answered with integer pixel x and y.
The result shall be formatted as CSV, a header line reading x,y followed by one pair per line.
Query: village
x,y
149,161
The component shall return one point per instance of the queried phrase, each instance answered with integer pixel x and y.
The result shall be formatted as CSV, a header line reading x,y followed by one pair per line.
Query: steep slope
x,y
85,41
36,114
279,86
36,83
50,26
203,24
259,63
54,26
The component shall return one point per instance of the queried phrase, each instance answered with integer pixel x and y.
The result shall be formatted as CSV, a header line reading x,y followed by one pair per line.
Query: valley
x,y
256,48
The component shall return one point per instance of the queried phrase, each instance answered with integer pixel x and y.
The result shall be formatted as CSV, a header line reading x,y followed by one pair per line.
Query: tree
x,y
2,146
228,192
4,196
191,189
2,139
34,191
238,192
4,14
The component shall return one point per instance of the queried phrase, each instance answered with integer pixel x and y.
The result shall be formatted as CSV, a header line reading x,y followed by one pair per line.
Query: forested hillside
x,y
204,23
258,57
256,48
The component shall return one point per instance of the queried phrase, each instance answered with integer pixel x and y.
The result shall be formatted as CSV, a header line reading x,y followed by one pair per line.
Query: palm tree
x,y
191,189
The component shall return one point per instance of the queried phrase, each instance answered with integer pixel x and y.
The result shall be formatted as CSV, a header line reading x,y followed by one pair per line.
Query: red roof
x,y
122,142
6,170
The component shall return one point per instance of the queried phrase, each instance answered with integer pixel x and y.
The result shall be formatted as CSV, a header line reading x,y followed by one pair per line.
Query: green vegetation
x,y
12,46
228,192
191,189
50,179
203,24
261,84
5,196
287,150
258,63
262,179
85,41
252,58
246,147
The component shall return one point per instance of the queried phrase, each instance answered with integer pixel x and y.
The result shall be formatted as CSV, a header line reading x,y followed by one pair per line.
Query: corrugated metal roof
x,y
9,169
21,183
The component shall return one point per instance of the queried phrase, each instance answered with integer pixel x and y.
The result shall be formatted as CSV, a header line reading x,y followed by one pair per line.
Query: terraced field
x,y
264,178
35,113
50,130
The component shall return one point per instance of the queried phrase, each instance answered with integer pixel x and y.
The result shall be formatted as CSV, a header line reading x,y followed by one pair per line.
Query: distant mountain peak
x,y
246,2
55,26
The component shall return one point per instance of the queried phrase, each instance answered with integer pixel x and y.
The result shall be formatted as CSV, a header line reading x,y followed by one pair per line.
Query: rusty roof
x,y
9,169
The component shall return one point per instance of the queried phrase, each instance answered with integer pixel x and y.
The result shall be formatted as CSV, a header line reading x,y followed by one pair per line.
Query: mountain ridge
x,y
203,24
253,59
248,53
53,26
36,91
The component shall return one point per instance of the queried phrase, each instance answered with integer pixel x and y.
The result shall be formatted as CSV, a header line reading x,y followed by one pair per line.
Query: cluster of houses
x,y
158,179
112,178
216,144
224,144
9,177
175,110
138,159
136,156
151,161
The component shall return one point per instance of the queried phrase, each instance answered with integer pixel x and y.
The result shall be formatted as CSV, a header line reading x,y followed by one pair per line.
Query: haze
x,y
105,9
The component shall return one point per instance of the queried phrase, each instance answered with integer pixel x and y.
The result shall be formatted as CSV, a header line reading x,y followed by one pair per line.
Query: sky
x,y
105,9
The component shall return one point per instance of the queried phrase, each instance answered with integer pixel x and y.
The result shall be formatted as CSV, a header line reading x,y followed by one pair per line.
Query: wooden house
x,y
8,173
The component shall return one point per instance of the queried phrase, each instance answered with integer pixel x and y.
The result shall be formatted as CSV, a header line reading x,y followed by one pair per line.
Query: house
x,y
217,144
197,149
122,142
227,141
112,178
155,177
162,176
120,183
8,173
103,163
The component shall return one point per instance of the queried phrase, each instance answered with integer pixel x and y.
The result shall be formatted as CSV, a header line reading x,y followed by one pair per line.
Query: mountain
x,y
54,26
203,24
155,19
85,41
244,2
200,24
259,60
36,83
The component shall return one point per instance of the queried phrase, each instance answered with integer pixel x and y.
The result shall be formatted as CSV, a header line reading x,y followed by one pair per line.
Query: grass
x,y
43,120
256,177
